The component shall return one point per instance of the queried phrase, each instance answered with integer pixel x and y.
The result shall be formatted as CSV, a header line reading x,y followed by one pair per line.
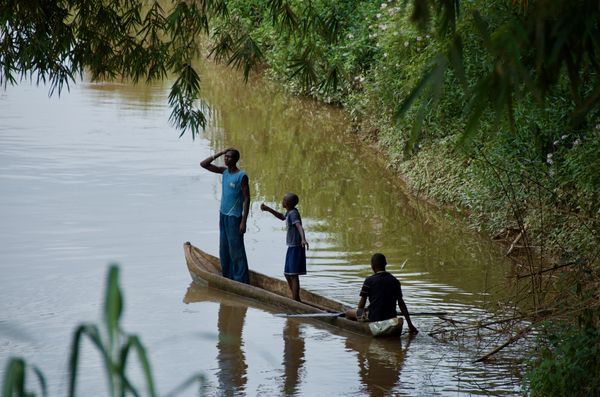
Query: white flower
x,y
378,16
350,36
383,5
385,54
418,38
564,137
395,33
551,172
577,142
428,36
549,155
383,26
555,143
406,44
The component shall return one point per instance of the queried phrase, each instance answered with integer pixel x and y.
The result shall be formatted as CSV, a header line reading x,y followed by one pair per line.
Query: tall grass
x,y
115,347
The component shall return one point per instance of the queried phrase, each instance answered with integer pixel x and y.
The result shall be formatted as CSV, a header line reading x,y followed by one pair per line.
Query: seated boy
x,y
383,291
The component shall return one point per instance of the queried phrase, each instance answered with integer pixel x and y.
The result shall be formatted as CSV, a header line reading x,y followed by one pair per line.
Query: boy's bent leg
x,y
224,247
237,251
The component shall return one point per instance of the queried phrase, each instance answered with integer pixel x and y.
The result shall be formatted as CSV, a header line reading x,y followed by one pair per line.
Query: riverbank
x,y
531,179
515,161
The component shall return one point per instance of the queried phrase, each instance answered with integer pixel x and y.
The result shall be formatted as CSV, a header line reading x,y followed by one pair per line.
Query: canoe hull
x,y
205,270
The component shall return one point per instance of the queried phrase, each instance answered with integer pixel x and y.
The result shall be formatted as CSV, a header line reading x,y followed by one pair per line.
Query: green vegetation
x,y
493,109
569,360
567,365
114,346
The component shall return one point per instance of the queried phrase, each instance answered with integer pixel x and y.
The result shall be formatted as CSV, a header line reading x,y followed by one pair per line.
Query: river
x,y
98,176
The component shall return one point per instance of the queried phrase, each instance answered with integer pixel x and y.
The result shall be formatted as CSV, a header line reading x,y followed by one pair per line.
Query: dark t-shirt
x,y
383,291
293,237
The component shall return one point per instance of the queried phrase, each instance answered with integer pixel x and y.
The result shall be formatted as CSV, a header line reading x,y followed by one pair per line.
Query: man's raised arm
x,y
208,165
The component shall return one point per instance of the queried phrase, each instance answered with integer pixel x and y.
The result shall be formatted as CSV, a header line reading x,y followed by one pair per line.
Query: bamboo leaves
x,y
184,92
54,42
524,52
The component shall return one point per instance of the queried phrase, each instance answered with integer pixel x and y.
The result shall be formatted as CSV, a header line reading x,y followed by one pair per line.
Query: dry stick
x,y
547,270
516,240
485,325
510,341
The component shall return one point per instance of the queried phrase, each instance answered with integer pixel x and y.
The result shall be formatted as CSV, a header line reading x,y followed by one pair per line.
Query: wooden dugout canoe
x,y
205,270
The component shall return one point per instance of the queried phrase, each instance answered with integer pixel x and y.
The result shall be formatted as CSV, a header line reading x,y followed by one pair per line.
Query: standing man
x,y
235,205
383,291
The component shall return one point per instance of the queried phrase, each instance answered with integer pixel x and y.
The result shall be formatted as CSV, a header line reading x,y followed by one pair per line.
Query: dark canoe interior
x,y
205,269
203,265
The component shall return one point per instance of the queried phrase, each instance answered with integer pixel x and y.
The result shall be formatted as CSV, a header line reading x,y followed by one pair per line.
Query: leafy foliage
x,y
529,48
568,362
55,42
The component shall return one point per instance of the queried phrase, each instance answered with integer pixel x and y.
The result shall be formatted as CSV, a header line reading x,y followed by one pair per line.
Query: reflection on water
x,y
309,358
379,363
293,357
231,359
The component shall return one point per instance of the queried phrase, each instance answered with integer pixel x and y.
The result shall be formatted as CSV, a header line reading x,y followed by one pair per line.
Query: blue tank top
x,y
232,199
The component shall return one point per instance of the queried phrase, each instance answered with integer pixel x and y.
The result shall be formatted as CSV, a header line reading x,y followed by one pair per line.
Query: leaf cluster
x,y
528,49
56,42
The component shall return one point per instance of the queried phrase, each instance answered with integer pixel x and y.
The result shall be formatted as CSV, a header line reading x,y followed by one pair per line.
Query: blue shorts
x,y
295,261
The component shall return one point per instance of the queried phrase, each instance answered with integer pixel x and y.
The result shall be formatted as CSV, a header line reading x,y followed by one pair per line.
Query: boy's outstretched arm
x,y
411,328
276,214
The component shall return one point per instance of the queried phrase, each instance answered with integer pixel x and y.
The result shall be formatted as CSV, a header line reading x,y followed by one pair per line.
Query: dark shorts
x,y
295,261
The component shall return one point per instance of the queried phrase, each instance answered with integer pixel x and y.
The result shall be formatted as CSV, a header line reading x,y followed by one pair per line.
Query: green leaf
x,y
416,92
134,342
14,378
112,304
92,332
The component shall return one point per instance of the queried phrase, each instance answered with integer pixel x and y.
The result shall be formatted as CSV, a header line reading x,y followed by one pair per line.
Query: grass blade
x,y
14,378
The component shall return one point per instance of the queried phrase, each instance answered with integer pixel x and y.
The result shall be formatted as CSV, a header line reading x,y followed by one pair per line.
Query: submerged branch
x,y
522,333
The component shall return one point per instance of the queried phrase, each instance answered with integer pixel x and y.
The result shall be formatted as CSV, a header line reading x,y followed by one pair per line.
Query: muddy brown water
x,y
98,176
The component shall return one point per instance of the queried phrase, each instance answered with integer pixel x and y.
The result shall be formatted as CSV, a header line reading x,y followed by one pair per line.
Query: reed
x,y
115,347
